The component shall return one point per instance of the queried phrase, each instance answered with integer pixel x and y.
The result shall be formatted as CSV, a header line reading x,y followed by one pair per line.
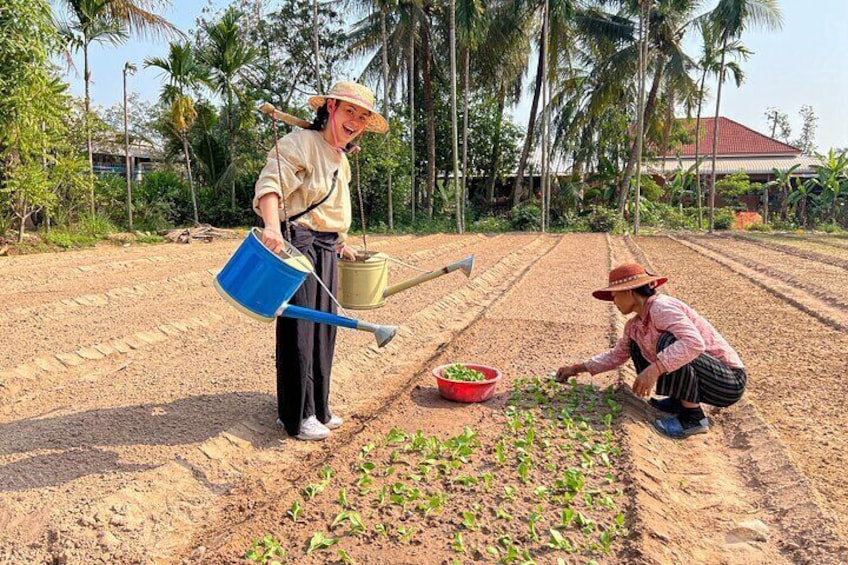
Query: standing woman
x,y
308,175
672,347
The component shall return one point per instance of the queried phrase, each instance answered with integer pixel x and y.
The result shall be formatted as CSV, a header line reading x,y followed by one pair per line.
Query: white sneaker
x,y
334,422
312,429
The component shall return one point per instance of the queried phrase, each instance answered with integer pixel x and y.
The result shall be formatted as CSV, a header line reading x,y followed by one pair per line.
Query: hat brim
x,y
376,122
605,294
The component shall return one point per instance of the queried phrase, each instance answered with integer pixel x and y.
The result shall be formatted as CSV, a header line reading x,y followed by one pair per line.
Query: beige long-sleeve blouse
x,y
307,165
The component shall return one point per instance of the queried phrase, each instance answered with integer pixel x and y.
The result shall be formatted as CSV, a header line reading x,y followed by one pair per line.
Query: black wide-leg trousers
x,y
305,349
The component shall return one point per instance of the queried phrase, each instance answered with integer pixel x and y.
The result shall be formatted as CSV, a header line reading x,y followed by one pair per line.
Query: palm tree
x,y
471,24
783,182
731,18
832,178
183,73
801,195
91,23
669,22
227,57
709,64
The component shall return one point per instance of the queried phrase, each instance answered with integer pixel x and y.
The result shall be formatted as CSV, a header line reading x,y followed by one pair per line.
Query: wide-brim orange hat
x,y
358,95
628,277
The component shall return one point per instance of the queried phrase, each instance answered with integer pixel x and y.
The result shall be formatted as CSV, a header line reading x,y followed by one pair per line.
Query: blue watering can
x,y
259,283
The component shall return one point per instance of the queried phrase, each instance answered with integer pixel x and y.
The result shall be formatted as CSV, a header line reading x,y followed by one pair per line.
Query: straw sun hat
x,y
358,95
628,277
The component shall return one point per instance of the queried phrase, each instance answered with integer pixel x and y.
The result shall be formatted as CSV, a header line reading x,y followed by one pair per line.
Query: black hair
x,y
322,117
645,290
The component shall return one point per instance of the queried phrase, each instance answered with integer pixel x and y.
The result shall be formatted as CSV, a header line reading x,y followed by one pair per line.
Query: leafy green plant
x,y
320,542
267,551
459,372
295,511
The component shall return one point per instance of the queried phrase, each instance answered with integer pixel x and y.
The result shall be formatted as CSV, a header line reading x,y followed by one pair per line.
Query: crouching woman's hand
x,y
565,373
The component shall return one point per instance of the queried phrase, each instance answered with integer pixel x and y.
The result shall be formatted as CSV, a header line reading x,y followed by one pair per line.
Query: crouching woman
x,y
673,348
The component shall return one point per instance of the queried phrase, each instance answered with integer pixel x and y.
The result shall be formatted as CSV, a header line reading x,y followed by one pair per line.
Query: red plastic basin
x,y
462,391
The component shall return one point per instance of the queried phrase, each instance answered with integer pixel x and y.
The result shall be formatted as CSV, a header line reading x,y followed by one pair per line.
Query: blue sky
x,y
804,63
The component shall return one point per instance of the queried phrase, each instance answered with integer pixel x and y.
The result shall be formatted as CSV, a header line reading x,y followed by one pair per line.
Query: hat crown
x,y
628,271
354,90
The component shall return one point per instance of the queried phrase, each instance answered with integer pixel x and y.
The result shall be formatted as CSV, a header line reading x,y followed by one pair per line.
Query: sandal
x,y
668,405
675,429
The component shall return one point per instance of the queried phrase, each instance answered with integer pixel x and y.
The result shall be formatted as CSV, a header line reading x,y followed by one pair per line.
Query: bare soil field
x,y
137,413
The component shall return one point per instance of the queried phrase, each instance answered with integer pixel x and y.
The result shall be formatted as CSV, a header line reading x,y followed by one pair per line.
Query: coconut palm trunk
x,y
454,123
624,186
698,151
389,206
528,140
715,137
430,115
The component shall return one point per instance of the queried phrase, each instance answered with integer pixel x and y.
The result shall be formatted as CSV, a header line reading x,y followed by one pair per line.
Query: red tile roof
x,y
733,139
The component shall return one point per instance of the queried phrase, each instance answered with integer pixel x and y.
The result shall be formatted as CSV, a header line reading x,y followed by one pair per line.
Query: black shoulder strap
x,y
315,205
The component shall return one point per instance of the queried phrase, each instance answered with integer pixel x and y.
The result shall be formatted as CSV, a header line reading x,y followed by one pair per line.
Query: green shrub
x,y
759,227
666,216
723,218
67,239
97,225
604,220
830,227
783,225
525,217
490,224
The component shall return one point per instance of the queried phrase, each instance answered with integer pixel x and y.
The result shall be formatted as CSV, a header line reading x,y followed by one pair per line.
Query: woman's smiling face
x,y
349,121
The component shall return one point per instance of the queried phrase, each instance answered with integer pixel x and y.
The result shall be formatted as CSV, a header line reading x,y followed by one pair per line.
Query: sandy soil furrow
x,y
796,364
821,280
805,248
802,299
96,315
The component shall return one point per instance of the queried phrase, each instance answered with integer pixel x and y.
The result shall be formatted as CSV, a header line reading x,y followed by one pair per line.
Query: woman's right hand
x,y
273,239
565,373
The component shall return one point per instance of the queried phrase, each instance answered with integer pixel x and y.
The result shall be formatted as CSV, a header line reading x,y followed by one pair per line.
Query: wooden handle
x,y
268,108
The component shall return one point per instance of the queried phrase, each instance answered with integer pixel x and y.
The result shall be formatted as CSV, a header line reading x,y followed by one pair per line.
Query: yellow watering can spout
x,y
466,266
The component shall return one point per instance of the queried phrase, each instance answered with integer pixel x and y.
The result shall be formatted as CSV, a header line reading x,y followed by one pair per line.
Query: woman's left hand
x,y
345,251
645,381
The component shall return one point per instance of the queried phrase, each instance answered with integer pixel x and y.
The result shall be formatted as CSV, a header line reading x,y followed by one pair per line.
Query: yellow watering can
x,y
364,283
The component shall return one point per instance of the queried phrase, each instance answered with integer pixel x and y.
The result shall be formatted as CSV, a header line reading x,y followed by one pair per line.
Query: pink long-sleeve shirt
x,y
662,313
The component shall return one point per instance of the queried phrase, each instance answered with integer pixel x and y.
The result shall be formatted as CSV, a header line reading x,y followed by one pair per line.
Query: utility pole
x,y
129,68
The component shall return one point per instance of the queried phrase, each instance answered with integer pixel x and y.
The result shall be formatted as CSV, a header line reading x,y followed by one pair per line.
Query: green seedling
x,y
326,473
541,492
314,489
367,466
342,499
559,542
345,558
465,480
295,511
458,545
509,492
353,519
531,520
381,529
487,479
320,542
502,514
566,517
405,534
500,455
365,450
469,520
493,551
435,504
267,551
396,435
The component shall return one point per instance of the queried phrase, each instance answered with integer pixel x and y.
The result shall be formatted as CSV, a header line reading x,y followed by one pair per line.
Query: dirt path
x,y
136,406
